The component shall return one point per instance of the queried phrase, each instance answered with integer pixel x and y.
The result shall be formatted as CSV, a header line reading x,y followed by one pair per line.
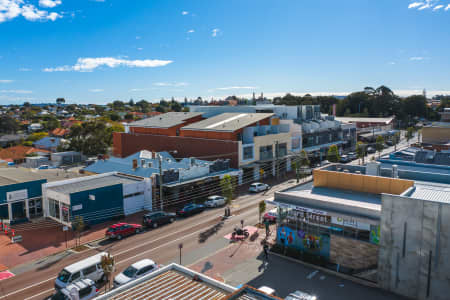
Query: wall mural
x,y
375,234
305,241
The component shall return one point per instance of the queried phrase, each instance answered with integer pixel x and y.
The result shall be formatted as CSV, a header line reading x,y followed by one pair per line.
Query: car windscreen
x,y
110,229
130,272
64,275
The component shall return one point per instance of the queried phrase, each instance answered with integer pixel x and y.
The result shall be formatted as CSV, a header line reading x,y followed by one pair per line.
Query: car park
x,y
88,268
215,201
191,209
136,270
83,289
157,218
271,216
120,230
258,187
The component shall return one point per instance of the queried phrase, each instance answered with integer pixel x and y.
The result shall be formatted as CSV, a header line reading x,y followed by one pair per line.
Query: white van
x,y
83,289
90,268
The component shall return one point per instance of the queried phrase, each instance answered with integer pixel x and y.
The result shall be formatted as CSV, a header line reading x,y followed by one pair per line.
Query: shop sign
x,y
77,207
17,195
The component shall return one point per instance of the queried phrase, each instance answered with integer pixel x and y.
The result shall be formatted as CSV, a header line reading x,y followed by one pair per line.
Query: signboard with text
x,y
17,195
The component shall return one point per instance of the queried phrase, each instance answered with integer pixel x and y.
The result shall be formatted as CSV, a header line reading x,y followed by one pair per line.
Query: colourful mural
x,y
306,241
375,234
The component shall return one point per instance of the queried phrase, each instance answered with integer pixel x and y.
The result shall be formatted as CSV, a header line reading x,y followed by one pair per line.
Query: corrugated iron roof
x,y
437,193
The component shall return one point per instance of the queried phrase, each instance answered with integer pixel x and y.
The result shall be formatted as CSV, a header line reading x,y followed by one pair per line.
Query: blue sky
x,y
94,51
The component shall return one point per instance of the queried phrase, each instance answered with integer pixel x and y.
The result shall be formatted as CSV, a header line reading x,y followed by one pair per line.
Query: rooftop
x,y
12,175
250,293
430,192
19,152
93,182
172,282
386,120
228,122
166,120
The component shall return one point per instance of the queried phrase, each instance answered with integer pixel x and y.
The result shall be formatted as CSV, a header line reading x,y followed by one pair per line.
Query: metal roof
x,y
94,182
386,120
166,120
228,122
12,175
171,282
431,192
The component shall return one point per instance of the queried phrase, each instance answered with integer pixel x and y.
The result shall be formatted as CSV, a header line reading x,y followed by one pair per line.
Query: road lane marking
x,y
124,251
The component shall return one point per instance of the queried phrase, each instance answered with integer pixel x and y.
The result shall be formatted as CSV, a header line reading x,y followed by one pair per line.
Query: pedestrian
x,y
266,224
266,251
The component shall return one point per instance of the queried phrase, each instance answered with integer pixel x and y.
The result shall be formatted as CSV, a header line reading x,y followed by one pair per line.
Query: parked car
x,y
215,201
298,295
389,143
344,159
371,150
352,155
85,289
120,230
43,167
154,219
136,270
88,268
271,215
268,290
258,187
191,209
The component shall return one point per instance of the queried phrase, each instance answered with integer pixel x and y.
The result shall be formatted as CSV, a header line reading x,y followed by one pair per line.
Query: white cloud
x,y
184,13
392,63
140,49
16,91
24,69
49,3
415,4
6,80
137,90
11,9
447,8
96,90
437,7
237,88
417,58
174,84
191,31
215,31
88,64
424,6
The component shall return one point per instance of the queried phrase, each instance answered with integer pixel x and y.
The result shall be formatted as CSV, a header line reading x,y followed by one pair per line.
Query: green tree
x,y
114,117
333,154
379,145
60,101
8,124
361,151
36,136
409,134
262,208
108,266
78,227
51,123
91,138
129,117
228,184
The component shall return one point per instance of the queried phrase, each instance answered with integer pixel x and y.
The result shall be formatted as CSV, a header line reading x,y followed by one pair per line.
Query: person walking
x,y
266,250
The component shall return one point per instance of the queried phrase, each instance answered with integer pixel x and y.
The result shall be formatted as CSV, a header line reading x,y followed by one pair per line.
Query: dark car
x,y
190,209
389,143
120,230
154,219
371,150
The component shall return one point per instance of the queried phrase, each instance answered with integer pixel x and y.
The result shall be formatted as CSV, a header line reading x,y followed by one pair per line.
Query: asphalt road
x,y
160,244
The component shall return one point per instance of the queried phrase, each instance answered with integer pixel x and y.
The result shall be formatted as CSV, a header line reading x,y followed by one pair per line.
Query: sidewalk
x,y
47,238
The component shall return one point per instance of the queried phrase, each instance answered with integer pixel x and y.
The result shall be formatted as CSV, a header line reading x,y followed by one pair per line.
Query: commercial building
x,y
96,198
369,123
436,136
379,217
21,192
179,178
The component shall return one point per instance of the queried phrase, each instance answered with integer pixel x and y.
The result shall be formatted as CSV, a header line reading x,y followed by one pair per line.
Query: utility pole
x,y
277,153
160,181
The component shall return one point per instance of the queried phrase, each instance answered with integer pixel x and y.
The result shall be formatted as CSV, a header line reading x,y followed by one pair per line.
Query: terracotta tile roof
x,y
60,132
18,152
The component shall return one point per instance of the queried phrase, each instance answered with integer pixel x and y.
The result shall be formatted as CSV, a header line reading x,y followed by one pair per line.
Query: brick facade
x,y
126,144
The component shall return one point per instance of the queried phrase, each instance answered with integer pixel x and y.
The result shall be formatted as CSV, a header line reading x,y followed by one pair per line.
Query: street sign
x,y
16,239
65,228
180,245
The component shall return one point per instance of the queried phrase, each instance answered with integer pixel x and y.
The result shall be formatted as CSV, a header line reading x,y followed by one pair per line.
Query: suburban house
x,y
18,154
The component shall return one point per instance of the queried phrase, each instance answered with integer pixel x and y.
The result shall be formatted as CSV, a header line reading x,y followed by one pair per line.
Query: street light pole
x,y
160,182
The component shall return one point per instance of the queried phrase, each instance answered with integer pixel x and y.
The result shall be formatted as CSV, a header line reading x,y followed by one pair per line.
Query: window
x,y
144,270
53,208
134,195
75,276
265,152
85,291
248,153
89,270
65,213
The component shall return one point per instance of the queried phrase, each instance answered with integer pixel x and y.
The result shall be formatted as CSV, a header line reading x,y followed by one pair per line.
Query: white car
x,y
83,289
258,187
298,295
268,290
136,270
215,201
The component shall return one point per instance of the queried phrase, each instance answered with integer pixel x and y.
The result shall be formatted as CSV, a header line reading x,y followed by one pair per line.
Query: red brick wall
x,y
125,144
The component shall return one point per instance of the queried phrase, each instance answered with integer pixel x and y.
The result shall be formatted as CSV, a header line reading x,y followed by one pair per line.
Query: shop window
x,y
65,213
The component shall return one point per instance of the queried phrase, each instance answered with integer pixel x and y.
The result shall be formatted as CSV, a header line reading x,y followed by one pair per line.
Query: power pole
x,y
160,182
277,153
